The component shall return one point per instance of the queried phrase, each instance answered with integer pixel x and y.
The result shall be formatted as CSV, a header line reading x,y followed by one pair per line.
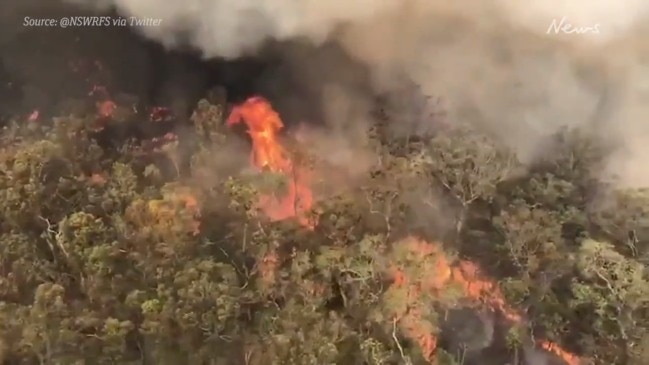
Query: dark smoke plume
x,y
500,64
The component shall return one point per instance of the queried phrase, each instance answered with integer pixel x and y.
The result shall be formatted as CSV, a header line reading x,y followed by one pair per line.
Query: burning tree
x,y
264,125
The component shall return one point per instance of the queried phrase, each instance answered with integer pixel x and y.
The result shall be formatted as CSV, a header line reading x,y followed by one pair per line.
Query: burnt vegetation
x,y
133,239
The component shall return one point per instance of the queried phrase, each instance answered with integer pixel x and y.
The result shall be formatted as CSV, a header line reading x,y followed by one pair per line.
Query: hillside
x,y
444,250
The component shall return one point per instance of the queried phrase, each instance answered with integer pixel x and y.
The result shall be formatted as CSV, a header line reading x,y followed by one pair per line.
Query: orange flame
x,y
569,358
105,109
264,125
465,275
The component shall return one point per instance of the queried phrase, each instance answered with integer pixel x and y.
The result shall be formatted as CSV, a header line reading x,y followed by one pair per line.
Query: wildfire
x,y
465,275
264,125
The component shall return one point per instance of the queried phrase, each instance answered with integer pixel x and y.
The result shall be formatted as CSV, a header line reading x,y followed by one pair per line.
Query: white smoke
x,y
498,63
535,356
231,28
614,19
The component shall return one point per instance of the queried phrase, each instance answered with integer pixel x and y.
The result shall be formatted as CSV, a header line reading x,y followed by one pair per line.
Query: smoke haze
x,y
498,63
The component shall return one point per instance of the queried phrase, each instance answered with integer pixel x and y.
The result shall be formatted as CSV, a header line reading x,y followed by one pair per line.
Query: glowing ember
x,y
159,114
264,125
34,116
105,109
465,275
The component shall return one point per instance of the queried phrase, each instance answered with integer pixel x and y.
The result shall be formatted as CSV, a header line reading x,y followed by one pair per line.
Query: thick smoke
x,y
233,28
505,65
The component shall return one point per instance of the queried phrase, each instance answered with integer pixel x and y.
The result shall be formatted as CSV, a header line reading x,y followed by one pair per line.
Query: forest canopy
x,y
446,251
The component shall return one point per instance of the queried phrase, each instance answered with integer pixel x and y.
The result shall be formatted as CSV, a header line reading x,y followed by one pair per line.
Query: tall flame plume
x,y
264,125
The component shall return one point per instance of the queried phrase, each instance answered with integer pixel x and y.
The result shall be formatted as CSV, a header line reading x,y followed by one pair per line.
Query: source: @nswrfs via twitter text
x,y
91,21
